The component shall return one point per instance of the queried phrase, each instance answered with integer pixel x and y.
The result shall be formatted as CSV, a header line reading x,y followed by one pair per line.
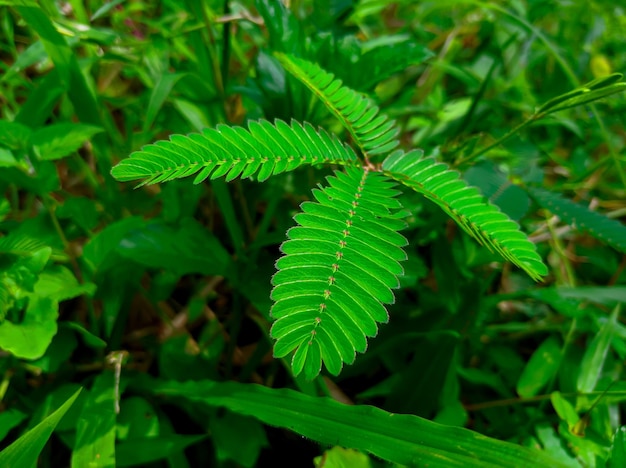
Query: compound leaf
x,y
467,206
263,149
371,130
341,263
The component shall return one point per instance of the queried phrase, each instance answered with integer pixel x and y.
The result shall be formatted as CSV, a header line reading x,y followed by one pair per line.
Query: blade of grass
x,y
595,355
25,450
398,438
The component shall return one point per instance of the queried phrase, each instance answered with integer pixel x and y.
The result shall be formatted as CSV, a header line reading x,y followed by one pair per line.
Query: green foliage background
x,y
135,324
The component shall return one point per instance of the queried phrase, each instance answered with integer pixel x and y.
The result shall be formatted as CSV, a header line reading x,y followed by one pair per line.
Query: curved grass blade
x,y
398,438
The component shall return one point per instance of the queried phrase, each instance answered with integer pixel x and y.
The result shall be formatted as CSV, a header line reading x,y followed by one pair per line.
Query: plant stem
x,y
500,140
225,46
50,203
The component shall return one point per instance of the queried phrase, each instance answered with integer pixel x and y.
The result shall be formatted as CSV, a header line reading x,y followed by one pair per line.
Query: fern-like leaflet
x,y
372,131
467,206
340,265
264,149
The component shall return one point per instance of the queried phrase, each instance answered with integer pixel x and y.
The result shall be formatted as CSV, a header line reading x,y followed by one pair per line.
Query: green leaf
x,y
25,450
383,59
60,284
585,94
479,218
138,419
57,141
554,445
58,353
265,149
541,368
14,135
602,228
564,409
158,245
95,432
236,437
618,449
284,29
340,265
9,419
398,438
370,129
30,338
158,95
89,338
596,353
138,429
339,457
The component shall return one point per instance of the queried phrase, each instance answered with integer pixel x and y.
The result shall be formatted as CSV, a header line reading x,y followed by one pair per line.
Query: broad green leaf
x,y
58,283
339,457
52,400
95,432
141,441
564,409
60,140
58,353
5,207
175,248
618,449
14,135
41,101
137,419
237,438
595,354
541,368
30,338
554,445
23,453
98,251
7,159
607,295
418,387
82,211
9,419
398,438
